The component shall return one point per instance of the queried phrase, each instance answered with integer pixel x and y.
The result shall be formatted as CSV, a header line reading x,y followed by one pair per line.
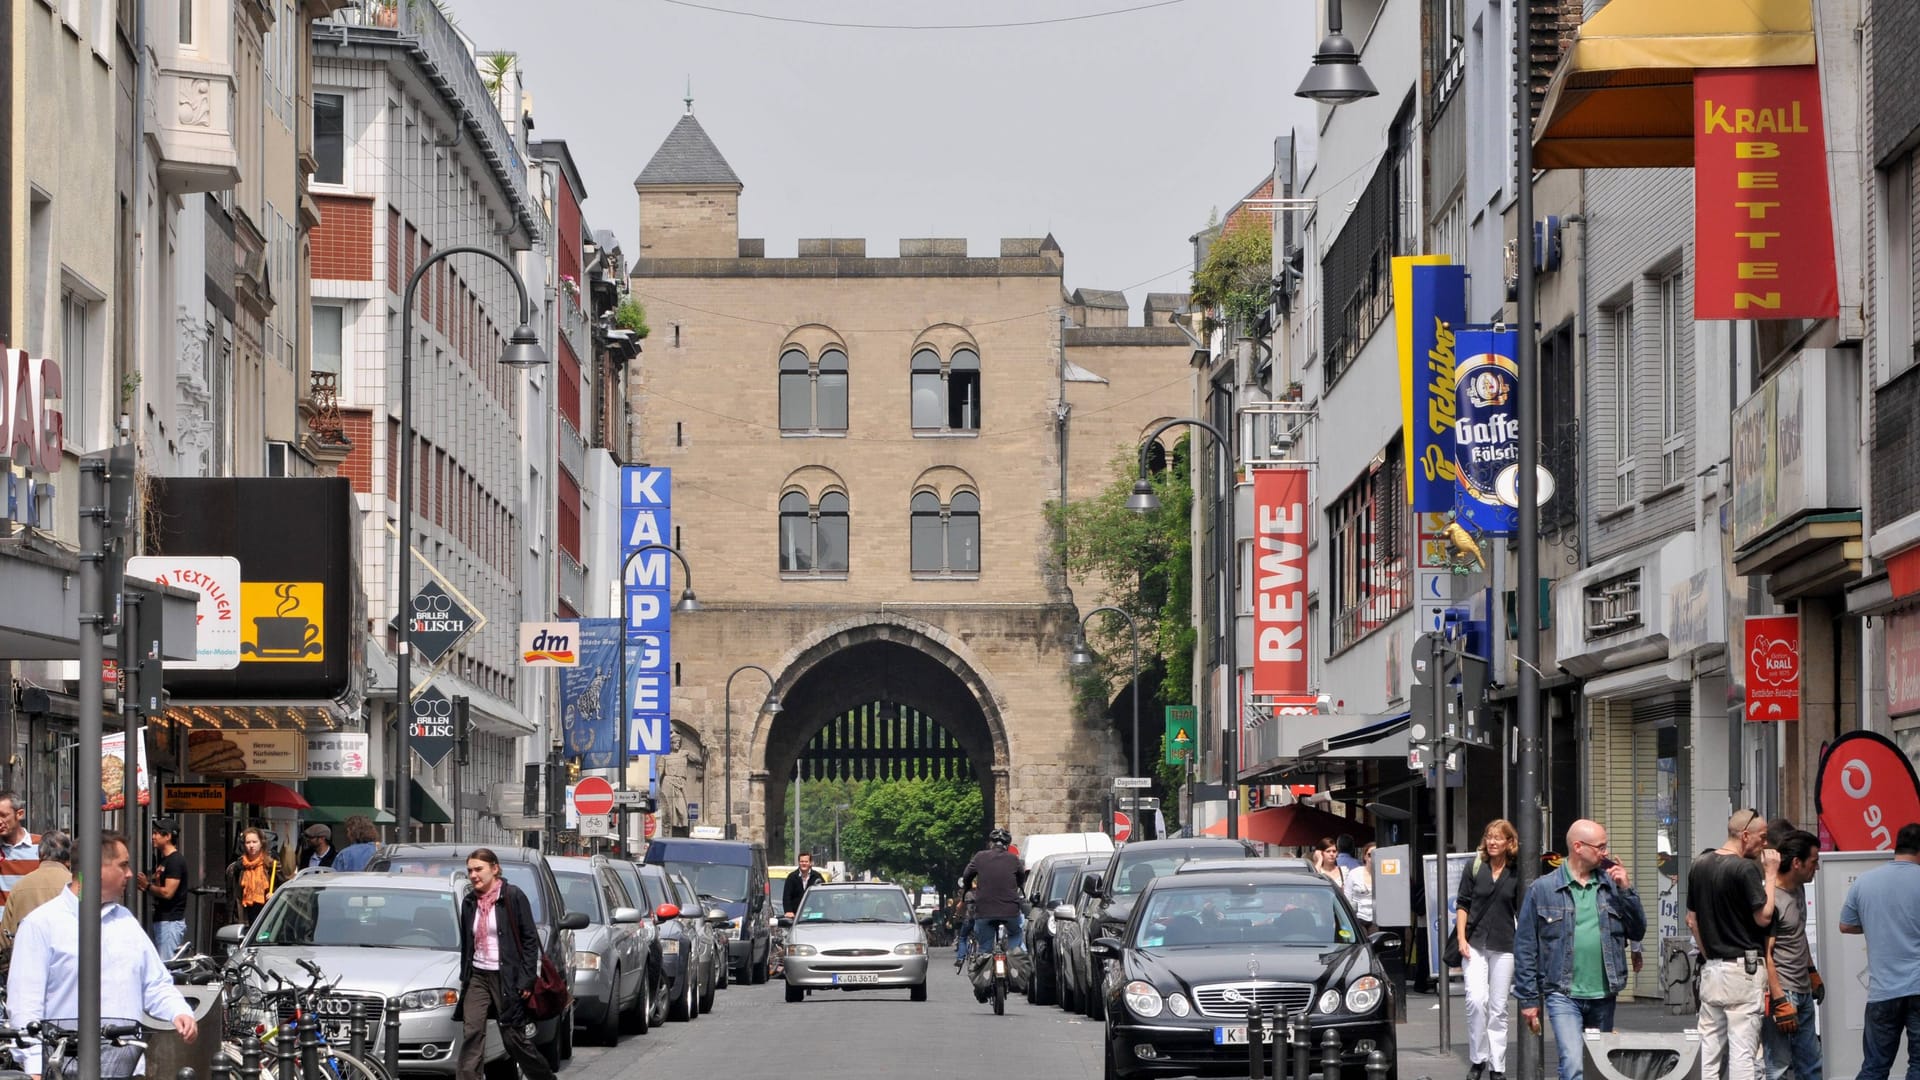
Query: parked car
x,y
612,954
528,870
1047,887
681,955
1198,950
385,936
856,936
709,958
1128,872
648,894
1073,977
1037,846
731,875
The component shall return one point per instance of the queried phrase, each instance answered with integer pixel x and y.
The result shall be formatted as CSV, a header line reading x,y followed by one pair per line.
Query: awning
x,y
1622,96
1293,825
267,793
1362,741
345,796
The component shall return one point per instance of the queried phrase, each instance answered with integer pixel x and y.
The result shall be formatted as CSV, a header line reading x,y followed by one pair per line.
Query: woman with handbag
x,y
1483,930
500,962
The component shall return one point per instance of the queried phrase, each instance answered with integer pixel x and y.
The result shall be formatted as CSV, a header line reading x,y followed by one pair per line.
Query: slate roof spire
x,y
688,157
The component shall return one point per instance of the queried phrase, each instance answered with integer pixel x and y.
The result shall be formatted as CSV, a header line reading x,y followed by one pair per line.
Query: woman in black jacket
x,y
499,961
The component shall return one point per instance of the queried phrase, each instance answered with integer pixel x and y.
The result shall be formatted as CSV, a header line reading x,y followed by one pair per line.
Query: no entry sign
x,y
592,795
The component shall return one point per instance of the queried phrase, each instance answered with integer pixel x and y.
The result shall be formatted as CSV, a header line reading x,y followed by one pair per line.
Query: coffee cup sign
x,y
283,622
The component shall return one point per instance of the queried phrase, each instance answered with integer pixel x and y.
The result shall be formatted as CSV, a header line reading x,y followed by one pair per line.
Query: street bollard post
x,y
357,1030
1301,1037
391,1027
250,1058
1330,1055
1256,1044
185,1072
286,1050
1377,1066
309,1049
222,1069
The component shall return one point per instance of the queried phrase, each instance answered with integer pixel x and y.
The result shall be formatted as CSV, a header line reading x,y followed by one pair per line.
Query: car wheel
x,y
918,993
607,1031
1040,983
566,1039
706,999
1063,990
726,972
683,1000
662,999
1096,1004
1111,1069
636,1019
795,994
551,1049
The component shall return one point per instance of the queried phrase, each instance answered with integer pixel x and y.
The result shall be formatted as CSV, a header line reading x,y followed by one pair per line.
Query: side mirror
x,y
232,934
1381,939
1091,884
667,911
783,921
1106,948
716,917
573,920
1066,911
625,915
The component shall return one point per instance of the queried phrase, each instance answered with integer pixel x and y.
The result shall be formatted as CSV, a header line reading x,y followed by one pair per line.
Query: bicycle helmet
x,y
999,836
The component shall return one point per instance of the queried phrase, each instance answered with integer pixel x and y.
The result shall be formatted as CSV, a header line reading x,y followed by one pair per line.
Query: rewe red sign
x,y
1280,581
593,795
1773,667
1866,791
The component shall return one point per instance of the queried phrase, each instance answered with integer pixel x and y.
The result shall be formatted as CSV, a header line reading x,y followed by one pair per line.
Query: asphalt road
x,y
752,1031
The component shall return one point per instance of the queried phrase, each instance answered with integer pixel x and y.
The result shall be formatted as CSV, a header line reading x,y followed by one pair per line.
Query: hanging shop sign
x,y
1763,221
262,755
1487,432
550,644
590,695
1182,723
113,771
432,735
193,799
438,622
1903,663
1865,792
338,753
1773,667
1280,664
646,517
218,618
1430,304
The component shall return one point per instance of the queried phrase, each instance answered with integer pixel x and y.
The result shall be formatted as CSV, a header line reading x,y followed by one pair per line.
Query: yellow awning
x,y
1622,96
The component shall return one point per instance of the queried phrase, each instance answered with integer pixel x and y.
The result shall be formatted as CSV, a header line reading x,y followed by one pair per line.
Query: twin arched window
x,y
946,394
814,539
946,539
813,393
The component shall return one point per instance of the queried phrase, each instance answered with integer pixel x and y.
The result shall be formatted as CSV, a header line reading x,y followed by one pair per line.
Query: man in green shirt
x,y
1570,945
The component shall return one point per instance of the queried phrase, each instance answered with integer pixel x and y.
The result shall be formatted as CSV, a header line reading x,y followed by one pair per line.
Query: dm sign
x,y
1486,434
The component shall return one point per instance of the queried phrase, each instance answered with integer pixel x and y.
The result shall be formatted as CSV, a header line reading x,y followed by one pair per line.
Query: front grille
x,y
338,1009
1230,1000
854,952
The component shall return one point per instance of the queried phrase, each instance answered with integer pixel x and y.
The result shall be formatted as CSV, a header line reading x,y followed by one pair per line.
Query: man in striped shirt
x,y
19,849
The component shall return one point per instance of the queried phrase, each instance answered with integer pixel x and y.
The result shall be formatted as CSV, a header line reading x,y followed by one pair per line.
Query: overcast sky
x,y
1116,134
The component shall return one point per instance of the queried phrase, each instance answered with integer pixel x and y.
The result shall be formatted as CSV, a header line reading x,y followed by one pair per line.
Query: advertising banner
x,y
1439,311
1763,221
338,753
1773,667
113,775
590,696
216,637
646,517
549,644
1401,273
1487,432
1903,664
265,755
1280,581
1865,792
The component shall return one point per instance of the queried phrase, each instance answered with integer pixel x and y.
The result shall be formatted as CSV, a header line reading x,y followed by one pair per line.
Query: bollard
x,y
310,1049
222,1069
286,1050
250,1058
1302,1039
1256,1044
1330,1056
391,1026
357,1031
185,1072
1377,1065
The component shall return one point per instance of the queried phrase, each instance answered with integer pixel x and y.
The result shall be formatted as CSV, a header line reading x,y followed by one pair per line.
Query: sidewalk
x,y
1419,1038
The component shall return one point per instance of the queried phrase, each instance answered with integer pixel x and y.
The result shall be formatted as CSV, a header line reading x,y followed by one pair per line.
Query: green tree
x,y
915,831
817,800
1236,277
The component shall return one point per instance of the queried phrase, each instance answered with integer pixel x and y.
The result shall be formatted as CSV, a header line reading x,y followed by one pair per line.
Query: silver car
x,y
613,970
384,936
856,936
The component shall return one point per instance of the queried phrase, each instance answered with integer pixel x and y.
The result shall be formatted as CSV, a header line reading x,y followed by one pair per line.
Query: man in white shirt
x,y
45,981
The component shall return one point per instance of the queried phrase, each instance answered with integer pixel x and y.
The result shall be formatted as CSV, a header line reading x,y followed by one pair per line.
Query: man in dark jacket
x,y
798,882
499,962
996,876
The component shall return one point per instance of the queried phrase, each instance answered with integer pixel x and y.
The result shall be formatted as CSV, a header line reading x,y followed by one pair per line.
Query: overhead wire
x,y
839,25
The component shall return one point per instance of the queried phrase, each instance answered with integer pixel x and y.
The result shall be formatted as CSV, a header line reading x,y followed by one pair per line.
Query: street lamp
x,y
770,706
1144,501
836,829
1083,658
523,351
1336,76
687,604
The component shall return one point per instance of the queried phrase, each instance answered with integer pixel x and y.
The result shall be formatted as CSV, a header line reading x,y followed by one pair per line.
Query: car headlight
x,y
734,926
586,961
669,946
1364,994
911,948
802,950
1177,1004
1329,1001
1142,999
442,997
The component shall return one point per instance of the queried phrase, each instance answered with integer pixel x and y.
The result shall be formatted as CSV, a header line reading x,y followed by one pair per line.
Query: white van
x,y
1040,845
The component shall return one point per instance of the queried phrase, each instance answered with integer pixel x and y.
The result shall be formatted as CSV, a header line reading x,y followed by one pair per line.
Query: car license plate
x,y
855,977
339,1032
1236,1035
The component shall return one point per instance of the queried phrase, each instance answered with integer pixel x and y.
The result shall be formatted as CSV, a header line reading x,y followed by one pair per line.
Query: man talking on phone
x,y
1570,943
1730,906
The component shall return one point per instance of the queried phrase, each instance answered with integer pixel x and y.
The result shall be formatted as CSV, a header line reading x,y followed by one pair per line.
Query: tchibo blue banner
x,y
1439,309
590,696
1487,434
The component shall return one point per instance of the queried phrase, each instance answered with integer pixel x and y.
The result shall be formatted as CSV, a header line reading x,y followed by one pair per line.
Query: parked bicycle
x,y
260,1013
122,1046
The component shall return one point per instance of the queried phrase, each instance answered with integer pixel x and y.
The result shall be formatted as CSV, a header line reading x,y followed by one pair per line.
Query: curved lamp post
x,y
1082,657
771,706
687,603
1144,501
523,351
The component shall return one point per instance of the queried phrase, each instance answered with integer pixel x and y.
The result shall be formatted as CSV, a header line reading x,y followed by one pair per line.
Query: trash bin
x,y
1620,1055
168,1053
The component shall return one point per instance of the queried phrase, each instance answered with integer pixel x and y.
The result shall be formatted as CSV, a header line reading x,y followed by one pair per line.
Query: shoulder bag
x,y
550,994
1450,950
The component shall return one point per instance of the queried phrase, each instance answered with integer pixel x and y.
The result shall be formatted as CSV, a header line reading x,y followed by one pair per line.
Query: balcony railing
x,y
324,399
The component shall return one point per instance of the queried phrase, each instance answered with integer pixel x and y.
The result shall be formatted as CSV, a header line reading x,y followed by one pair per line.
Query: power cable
x,y
833,25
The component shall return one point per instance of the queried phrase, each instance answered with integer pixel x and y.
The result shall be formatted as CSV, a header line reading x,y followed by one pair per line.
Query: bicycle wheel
x,y
999,996
352,1068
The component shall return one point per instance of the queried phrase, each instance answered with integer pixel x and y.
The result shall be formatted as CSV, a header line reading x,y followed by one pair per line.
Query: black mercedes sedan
x,y
1198,949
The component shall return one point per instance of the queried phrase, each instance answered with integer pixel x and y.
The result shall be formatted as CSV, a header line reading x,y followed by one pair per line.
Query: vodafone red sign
x,y
593,795
1867,790
1773,667
1280,581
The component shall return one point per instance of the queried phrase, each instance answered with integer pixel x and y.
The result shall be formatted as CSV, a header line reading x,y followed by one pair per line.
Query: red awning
x,y
267,793
1294,825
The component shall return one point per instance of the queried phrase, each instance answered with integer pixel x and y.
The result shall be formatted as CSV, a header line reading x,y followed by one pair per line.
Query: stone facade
x,y
983,652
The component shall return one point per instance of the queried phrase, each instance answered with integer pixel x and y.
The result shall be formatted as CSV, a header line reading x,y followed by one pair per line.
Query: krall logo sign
x,y
1867,790
1773,667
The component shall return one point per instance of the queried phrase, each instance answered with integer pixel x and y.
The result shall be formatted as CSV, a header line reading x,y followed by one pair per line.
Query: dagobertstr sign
x,y
32,437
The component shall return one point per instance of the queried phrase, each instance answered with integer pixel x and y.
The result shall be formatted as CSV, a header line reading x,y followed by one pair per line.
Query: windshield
x,y
1233,914
1135,867
520,874
1060,883
581,893
721,881
342,915
854,906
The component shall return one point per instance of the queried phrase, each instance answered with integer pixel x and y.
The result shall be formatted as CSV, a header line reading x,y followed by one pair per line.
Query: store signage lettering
x,y
1903,663
217,615
1436,297
431,734
1280,581
1773,667
1763,222
646,518
1486,437
1865,791
32,428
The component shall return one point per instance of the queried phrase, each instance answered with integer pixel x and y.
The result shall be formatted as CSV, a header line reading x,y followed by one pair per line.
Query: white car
x,y
855,936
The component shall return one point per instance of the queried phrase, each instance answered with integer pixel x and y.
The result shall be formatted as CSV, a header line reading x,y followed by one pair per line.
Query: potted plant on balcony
x,y
630,315
383,13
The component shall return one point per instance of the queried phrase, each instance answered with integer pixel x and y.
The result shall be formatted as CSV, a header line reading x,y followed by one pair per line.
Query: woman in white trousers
x,y
1484,924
